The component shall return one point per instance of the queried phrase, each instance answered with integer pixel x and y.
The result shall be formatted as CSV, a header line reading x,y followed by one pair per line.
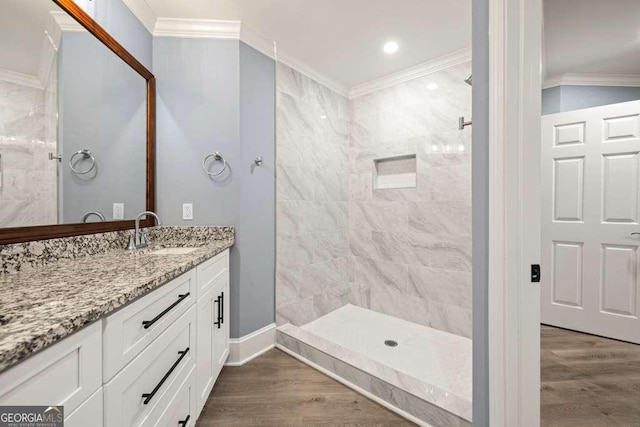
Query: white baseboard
x,y
244,349
354,387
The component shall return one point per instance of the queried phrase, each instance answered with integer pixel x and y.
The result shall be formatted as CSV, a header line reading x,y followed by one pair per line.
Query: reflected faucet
x,y
98,214
137,240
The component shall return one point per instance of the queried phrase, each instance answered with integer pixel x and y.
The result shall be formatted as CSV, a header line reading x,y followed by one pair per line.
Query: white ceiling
x,y
592,36
343,39
22,26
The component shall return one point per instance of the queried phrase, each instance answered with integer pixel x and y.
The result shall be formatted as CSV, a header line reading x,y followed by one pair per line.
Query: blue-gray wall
x,y
123,25
256,232
568,98
480,207
202,107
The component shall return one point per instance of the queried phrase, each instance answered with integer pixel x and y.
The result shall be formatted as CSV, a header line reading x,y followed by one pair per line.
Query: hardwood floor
x,y
588,380
277,390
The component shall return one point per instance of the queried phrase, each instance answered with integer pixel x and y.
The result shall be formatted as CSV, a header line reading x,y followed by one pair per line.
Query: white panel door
x,y
591,207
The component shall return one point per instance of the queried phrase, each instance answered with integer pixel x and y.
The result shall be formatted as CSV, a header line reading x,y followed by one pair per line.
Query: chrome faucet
x,y
137,240
98,214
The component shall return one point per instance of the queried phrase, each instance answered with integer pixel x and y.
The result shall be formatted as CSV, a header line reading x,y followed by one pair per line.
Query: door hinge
x,y
535,273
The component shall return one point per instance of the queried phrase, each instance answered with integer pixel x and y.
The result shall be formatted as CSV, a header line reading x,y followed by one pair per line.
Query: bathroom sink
x,y
173,251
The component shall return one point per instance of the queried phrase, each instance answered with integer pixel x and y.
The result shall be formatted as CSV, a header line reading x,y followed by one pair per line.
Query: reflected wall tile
x,y
15,185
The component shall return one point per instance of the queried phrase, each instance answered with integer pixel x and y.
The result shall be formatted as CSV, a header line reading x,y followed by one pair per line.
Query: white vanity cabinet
x,y
152,363
213,324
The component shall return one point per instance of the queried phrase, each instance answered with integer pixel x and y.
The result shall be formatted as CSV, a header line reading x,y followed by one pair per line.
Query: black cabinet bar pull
x,y
217,322
147,323
222,308
184,422
149,396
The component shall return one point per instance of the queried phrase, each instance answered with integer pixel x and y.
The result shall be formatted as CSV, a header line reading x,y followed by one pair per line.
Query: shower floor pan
x,y
426,365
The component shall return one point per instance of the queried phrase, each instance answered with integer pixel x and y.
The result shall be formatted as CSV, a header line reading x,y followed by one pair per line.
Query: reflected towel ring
x,y
86,154
217,156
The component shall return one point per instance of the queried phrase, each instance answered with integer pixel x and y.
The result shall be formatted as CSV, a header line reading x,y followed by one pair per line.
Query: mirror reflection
x,y
72,122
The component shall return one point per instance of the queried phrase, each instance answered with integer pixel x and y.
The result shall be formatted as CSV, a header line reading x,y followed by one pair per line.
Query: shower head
x,y
469,80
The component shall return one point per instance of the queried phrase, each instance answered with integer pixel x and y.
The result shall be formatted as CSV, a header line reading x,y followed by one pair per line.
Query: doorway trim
x,y
515,46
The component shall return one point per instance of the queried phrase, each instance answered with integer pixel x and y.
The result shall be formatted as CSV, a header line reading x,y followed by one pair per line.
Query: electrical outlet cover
x,y
187,211
118,211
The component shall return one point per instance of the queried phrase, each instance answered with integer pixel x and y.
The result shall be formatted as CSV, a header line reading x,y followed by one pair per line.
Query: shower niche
x,y
395,172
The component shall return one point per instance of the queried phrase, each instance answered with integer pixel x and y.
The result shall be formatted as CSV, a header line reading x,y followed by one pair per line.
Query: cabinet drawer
x,y
130,330
88,414
212,271
66,373
179,409
157,371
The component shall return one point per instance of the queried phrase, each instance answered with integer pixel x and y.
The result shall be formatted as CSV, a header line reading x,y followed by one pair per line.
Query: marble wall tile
x,y
440,285
450,318
401,305
376,273
331,245
380,216
444,218
434,245
28,195
312,180
408,251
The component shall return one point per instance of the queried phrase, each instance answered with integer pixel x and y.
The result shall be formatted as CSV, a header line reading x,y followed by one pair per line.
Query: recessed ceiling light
x,y
323,117
432,86
390,48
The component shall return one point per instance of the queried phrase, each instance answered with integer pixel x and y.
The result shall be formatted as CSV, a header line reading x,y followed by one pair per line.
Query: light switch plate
x,y
118,211
187,211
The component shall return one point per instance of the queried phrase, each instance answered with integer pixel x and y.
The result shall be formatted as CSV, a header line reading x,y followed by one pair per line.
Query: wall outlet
x,y
118,211
187,211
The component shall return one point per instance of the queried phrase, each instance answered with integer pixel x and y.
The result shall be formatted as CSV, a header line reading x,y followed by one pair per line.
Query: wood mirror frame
x,y
41,232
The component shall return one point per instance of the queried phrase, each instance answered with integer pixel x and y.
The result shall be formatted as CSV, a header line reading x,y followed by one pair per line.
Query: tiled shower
x,y
28,123
373,208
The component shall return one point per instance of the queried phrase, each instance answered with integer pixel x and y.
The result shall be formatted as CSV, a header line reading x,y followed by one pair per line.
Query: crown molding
x,y
592,79
20,78
301,67
257,41
66,23
235,30
197,28
454,58
144,13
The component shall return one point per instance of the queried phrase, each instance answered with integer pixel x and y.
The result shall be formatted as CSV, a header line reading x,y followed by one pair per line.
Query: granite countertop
x,y
40,306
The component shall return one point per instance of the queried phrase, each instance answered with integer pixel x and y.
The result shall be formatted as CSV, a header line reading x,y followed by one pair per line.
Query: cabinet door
x,y
213,337
207,312
88,414
221,331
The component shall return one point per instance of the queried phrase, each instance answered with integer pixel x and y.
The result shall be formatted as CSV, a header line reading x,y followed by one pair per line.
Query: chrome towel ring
x,y
218,157
86,154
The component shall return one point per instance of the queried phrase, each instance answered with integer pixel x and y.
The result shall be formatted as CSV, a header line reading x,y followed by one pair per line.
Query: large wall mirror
x,y
76,125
